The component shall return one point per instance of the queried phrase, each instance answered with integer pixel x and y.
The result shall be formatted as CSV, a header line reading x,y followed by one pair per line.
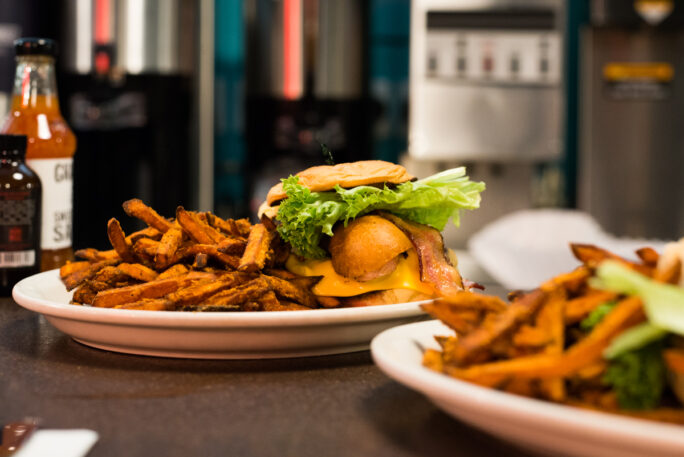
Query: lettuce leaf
x,y
633,339
592,320
305,216
663,304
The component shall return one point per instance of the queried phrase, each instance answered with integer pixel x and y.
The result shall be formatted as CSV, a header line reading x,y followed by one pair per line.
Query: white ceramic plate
x,y
542,426
223,335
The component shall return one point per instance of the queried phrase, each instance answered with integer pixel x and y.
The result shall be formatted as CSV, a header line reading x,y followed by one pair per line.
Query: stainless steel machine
x,y
631,163
486,91
306,85
133,88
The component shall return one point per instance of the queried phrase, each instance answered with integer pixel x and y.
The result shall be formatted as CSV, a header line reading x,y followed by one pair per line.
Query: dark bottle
x,y
20,207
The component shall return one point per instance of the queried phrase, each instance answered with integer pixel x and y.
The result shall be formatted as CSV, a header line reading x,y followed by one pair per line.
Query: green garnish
x,y
306,216
597,315
638,377
663,304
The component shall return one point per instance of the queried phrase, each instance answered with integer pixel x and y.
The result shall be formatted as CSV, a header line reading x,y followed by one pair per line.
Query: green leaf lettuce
x,y
305,216
663,304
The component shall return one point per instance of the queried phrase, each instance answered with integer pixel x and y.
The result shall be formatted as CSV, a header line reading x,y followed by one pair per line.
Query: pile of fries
x,y
195,262
534,345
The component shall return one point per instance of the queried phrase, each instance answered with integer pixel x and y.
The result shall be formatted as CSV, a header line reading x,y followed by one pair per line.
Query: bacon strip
x,y
429,245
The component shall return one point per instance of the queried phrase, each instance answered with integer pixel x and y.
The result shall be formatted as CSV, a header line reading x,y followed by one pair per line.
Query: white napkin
x,y
523,249
58,443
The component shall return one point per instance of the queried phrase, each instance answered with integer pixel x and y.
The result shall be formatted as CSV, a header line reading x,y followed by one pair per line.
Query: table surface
x,y
339,405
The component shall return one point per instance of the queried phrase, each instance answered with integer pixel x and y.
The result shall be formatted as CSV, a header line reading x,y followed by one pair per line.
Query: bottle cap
x,y
12,145
35,46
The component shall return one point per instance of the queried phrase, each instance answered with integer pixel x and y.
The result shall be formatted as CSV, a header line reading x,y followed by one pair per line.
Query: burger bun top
x,y
346,175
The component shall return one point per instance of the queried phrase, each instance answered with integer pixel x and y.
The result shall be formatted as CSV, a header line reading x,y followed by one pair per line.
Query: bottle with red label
x,y
51,143
20,212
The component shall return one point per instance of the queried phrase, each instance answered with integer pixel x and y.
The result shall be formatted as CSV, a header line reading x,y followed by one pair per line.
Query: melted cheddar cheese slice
x,y
405,276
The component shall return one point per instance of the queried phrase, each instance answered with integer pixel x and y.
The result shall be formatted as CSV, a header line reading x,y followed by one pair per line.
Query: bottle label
x,y
57,180
17,210
17,259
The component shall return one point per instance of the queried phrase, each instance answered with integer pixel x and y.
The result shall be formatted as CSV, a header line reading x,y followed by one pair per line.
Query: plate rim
x,y
440,387
182,319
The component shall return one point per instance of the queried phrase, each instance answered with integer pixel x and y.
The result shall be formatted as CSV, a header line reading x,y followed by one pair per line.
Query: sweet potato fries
x,y
195,262
550,343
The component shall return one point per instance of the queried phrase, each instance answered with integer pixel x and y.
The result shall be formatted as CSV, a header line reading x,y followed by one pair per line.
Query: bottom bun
x,y
384,297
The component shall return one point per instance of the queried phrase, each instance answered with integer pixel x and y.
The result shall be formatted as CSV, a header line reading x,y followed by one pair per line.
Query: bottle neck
x,y
35,85
11,157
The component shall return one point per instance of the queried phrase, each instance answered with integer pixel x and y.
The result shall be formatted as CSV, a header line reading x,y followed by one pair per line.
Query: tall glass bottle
x,y
51,143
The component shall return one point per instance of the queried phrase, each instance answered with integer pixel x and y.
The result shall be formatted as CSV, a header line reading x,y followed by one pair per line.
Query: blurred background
x,y
208,103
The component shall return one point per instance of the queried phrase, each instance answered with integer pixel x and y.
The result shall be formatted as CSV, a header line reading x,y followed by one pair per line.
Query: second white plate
x,y
551,428
214,335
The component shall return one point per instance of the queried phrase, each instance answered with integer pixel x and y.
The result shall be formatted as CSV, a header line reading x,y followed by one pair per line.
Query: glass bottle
x,y
51,143
20,208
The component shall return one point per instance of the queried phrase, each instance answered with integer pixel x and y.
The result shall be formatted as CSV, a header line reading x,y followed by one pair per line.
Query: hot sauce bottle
x,y
51,143
20,205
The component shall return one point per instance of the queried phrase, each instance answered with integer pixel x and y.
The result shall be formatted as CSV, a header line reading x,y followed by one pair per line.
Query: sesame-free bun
x,y
367,248
347,175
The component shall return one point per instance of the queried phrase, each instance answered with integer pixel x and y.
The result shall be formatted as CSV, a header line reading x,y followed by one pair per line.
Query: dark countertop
x,y
143,406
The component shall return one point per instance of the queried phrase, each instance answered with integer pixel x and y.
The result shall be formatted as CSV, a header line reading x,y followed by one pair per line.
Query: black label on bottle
x,y
17,230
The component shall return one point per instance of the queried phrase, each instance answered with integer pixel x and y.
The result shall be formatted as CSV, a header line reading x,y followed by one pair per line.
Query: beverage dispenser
x,y
486,91
632,110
